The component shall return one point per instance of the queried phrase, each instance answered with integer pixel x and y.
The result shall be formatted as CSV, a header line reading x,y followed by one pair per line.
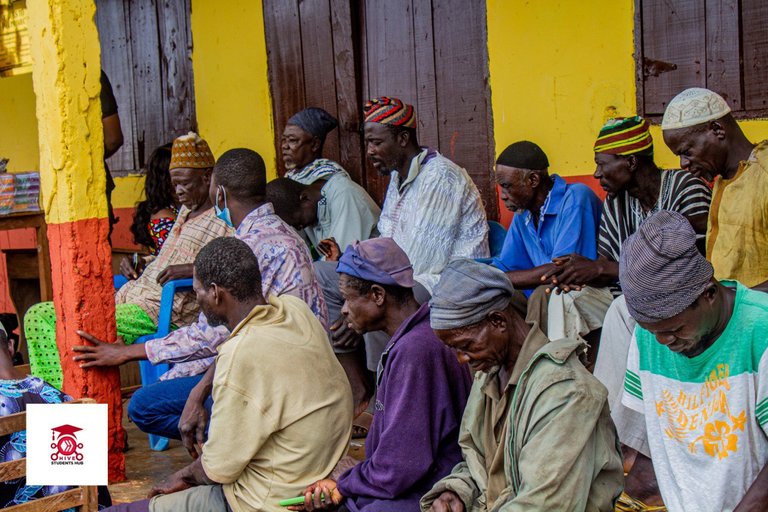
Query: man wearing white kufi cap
x,y
698,127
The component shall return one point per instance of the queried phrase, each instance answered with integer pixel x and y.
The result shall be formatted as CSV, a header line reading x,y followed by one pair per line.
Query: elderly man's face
x,y
517,192
701,150
298,147
613,172
483,345
688,332
191,186
360,310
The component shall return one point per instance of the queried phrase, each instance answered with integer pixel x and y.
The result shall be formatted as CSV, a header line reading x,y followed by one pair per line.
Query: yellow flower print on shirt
x,y
718,439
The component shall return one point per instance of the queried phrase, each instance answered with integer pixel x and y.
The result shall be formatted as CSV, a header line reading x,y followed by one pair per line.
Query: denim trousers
x,y
156,409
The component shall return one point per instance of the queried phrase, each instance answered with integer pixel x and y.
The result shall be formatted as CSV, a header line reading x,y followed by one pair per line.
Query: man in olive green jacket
x,y
537,432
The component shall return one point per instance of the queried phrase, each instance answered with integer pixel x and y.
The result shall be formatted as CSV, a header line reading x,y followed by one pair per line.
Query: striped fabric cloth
x,y
680,192
186,238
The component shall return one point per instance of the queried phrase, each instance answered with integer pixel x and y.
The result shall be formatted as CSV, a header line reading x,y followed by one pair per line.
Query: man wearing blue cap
x,y
537,433
422,389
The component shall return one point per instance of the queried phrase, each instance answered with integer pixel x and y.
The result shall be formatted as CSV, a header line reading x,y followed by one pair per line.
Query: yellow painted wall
x,y
234,107
559,69
18,124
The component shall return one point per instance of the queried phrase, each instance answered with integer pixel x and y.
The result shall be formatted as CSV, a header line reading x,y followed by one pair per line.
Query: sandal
x,y
361,425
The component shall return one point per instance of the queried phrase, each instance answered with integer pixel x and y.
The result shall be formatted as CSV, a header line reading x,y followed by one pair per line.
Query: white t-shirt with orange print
x,y
706,417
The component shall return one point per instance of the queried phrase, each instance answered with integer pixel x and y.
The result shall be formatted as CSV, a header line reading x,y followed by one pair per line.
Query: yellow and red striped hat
x,y
391,111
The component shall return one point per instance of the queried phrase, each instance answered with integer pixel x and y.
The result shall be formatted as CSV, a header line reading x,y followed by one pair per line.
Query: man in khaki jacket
x,y
536,433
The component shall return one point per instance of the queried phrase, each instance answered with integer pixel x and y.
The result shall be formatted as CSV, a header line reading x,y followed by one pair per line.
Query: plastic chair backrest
x,y
151,373
496,236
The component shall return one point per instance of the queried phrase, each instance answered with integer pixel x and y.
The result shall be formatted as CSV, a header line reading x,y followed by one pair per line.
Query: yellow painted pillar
x,y
65,73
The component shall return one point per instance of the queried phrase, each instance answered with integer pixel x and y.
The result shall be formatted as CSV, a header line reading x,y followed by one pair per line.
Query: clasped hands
x,y
570,273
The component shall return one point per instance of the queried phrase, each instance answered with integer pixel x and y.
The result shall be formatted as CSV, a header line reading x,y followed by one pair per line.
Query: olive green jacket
x,y
546,443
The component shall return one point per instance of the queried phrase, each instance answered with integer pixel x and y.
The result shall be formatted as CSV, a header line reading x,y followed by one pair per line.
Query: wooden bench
x,y
84,497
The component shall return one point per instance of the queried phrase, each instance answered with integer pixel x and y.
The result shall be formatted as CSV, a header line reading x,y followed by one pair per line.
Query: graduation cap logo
x,y
64,442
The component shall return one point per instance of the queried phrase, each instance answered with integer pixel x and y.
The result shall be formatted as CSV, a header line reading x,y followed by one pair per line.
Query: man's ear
x,y
207,177
497,319
217,293
305,197
534,180
632,163
378,294
403,138
718,129
710,292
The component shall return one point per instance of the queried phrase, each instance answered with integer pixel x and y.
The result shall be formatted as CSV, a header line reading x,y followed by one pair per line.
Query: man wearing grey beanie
x,y
536,433
697,372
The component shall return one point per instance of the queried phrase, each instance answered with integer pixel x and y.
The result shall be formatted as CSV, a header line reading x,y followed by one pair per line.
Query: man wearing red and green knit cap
x,y
636,188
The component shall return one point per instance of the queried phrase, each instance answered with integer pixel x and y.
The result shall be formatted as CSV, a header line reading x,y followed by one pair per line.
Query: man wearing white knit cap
x,y
698,127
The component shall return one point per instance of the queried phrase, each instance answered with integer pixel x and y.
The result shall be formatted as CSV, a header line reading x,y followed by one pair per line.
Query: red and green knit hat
x,y
625,136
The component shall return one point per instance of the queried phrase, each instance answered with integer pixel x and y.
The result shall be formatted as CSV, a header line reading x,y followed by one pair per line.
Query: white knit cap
x,y
694,106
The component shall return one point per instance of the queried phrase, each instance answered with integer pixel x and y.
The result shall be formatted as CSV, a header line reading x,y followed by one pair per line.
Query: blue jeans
x,y
156,409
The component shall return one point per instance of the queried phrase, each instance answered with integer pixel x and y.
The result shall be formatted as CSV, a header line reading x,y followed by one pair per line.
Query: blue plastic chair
x,y
151,373
496,236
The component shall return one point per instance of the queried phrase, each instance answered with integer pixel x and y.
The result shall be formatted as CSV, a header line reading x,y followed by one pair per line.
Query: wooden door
x,y
311,57
433,54
146,48
337,54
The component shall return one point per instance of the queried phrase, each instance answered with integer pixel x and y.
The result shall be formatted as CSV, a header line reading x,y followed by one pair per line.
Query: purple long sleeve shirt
x,y
413,440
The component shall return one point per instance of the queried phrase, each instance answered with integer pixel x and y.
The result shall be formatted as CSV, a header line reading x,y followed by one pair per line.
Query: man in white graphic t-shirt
x,y
697,370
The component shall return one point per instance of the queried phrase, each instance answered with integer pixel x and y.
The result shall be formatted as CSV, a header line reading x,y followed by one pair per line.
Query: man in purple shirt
x,y
422,389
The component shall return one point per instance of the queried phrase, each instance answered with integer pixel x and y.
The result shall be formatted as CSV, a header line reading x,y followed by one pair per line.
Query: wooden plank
x,y
60,501
723,51
463,98
674,50
318,63
89,498
117,63
13,470
366,171
13,423
178,89
426,87
347,90
638,56
754,21
147,82
285,67
390,64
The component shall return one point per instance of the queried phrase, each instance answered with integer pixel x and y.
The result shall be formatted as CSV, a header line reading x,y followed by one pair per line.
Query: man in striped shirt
x,y
636,188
